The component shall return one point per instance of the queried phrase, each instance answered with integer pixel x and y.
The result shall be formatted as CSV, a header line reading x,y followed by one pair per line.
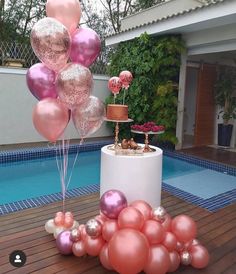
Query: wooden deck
x,y
25,231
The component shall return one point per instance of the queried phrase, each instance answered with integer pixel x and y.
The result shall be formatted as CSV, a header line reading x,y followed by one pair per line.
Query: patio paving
x,y
24,230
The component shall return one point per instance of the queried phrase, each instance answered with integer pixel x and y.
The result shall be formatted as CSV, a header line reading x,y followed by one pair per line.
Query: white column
x,y
181,95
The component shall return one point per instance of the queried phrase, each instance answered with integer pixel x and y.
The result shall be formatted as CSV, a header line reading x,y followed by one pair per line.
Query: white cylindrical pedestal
x,y
138,177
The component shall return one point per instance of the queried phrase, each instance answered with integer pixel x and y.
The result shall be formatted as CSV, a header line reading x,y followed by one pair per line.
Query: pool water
x,y
30,179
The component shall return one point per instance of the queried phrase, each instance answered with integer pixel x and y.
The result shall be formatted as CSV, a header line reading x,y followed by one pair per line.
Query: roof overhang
x,y
205,18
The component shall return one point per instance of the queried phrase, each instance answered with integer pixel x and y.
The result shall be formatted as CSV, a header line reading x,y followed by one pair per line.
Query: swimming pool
x,y
23,180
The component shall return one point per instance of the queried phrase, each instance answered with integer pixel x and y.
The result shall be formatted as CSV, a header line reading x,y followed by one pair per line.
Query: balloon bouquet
x,y
123,81
64,88
133,238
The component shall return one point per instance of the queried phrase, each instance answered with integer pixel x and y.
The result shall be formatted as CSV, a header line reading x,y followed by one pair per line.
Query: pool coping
x,y
211,204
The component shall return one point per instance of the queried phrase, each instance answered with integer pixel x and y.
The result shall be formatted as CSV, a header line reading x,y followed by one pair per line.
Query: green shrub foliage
x,y
152,95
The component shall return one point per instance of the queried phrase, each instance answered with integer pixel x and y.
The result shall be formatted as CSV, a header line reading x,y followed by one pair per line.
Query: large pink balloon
x,y
74,84
85,46
68,12
51,41
169,241
89,116
94,246
50,118
41,81
184,228
130,217
128,251
200,256
154,231
158,261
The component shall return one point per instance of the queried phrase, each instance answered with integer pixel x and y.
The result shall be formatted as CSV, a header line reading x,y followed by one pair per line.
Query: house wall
x,y
17,103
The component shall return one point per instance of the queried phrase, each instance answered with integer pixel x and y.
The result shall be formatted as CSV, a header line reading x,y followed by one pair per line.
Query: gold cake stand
x,y
116,140
147,148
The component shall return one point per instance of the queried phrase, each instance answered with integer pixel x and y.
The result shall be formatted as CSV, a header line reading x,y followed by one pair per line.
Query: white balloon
x,y
75,225
57,231
50,226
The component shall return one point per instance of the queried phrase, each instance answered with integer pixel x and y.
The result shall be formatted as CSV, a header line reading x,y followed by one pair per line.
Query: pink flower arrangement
x,y
149,126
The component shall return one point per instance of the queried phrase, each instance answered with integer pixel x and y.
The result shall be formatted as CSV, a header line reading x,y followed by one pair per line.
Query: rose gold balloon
x,y
184,228
128,251
167,222
59,220
104,258
158,261
94,246
89,116
83,232
68,12
78,249
179,246
143,207
51,42
109,228
130,217
153,231
200,256
68,223
159,214
169,241
59,213
174,261
93,228
69,214
50,118
75,235
185,257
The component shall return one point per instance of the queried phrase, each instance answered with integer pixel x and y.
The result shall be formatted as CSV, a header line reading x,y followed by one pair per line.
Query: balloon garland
x,y
131,238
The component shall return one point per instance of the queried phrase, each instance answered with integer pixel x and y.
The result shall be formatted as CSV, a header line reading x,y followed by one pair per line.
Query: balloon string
x,y
124,96
113,101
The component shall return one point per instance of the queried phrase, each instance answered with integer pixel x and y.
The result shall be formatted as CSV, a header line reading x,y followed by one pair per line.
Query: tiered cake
x,y
117,112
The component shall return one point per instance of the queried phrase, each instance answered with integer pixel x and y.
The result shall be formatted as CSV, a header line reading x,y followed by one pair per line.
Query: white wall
x,y
17,103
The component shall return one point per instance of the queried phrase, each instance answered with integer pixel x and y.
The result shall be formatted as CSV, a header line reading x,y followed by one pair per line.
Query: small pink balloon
x,y
167,222
158,261
74,84
154,231
64,243
109,228
83,232
78,249
126,78
68,12
41,81
50,118
174,261
169,241
143,207
200,256
85,46
69,221
51,41
130,217
112,202
89,116
94,246
184,228
104,258
114,85
59,220
100,219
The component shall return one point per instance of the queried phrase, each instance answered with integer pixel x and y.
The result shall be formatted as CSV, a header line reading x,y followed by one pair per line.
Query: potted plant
x,y
225,95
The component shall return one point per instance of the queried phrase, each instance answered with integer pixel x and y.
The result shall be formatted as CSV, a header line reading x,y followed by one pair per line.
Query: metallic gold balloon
x,y
159,214
93,228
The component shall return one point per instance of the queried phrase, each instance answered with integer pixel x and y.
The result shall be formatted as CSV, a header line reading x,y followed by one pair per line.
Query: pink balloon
x,y
126,78
128,251
94,246
78,249
143,207
130,217
114,85
85,46
83,232
104,258
167,223
69,221
200,256
154,231
184,228
51,41
169,241
158,261
112,202
174,261
109,228
68,12
74,84
89,116
50,118
64,243
41,81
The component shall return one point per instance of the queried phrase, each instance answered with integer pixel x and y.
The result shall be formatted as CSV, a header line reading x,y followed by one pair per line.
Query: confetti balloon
x,y
114,85
159,214
93,228
126,78
185,258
